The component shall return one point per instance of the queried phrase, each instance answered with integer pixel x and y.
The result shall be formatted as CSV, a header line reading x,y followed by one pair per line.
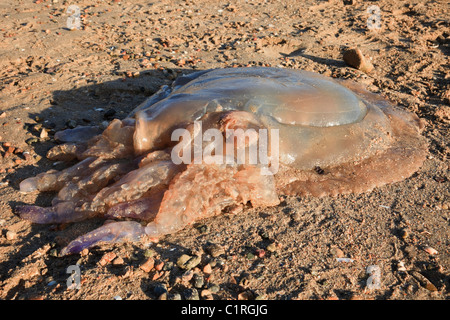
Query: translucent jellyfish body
x,y
326,137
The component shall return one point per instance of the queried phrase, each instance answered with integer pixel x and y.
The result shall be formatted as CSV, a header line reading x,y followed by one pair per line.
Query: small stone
x,y
188,262
199,281
338,253
117,261
271,247
404,233
263,234
424,282
246,295
148,265
159,265
30,141
107,258
11,235
354,58
163,296
157,275
191,294
43,134
149,253
401,266
187,276
159,289
430,250
109,114
206,294
207,269
53,253
168,266
173,296
27,155
215,250
71,124
18,151
214,288
260,253
202,228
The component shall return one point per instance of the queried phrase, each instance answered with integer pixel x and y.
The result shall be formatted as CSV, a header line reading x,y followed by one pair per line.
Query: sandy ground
x,y
52,78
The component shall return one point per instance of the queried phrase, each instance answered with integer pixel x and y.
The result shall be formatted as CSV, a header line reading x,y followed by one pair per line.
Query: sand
x,y
305,248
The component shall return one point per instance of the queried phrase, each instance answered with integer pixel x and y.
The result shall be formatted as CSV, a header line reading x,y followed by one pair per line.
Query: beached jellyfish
x,y
221,138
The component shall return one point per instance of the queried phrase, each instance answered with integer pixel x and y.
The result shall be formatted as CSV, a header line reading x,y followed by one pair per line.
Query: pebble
x,y
199,281
11,235
202,228
26,155
148,265
107,258
354,58
43,134
206,294
207,269
163,296
168,266
338,253
187,276
191,294
430,250
149,253
344,260
246,295
71,124
401,266
404,233
260,253
159,289
214,288
215,250
271,247
117,261
159,265
173,296
31,141
109,114
52,283
187,262
424,282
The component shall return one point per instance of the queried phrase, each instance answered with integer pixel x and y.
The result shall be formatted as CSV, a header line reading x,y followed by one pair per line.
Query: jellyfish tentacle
x,y
111,232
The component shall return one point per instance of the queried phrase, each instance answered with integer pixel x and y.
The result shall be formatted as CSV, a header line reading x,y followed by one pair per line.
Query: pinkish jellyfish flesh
x,y
320,137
